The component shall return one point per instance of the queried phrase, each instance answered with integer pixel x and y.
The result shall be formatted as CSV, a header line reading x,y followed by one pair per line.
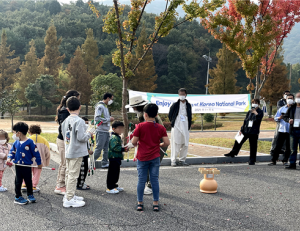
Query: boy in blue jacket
x,y
23,152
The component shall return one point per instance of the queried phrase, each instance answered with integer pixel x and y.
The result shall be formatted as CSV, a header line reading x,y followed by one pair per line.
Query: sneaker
x,y
35,189
73,203
113,191
105,166
24,188
120,189
183,163
60,191
173,164
291,166
31,199
272,164
147,191
75,197
2,189
20,201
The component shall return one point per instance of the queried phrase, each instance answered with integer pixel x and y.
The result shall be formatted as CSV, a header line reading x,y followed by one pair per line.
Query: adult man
x,y
250,130
102,131
180,116
292,116
280,103
283,132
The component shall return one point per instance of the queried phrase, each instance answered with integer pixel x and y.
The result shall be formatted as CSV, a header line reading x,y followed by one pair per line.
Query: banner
x,y
200,103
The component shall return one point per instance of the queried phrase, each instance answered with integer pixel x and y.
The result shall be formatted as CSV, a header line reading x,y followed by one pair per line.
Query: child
x,y
148,135
75,138
4,149
81,185
115,155
23,152
44,149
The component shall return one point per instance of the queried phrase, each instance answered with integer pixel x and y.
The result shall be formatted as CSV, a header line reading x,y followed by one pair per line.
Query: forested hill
x,y
291,46
178,56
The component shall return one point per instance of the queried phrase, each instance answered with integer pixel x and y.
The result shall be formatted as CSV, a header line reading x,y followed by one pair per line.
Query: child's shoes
x,y
35,189
21,201
2,189
113,191
75,197
120,189
60,191
73,203
24,188
31,199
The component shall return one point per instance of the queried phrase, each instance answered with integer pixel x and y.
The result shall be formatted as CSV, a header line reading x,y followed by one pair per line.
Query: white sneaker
x,y
173,164
35,189
2,189
147,191
73,203
113,191
120,189
75,197
105,166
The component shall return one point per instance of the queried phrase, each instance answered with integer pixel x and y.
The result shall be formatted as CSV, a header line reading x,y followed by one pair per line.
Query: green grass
x,y
263,146
50,137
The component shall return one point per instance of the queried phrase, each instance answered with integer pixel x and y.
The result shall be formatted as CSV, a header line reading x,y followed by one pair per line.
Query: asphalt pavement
x,y
249,198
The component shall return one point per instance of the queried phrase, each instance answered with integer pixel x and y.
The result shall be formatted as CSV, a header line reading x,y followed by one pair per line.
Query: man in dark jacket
x,y
282,102
180,116
292,116
250,130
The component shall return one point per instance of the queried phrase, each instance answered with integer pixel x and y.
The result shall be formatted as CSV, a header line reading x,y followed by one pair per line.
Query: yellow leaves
x,y
94,9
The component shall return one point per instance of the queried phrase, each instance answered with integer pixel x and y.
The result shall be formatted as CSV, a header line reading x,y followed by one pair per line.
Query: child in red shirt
x,y
147,135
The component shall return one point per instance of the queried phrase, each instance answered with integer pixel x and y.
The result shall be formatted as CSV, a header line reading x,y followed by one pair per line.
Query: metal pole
x,y
216,122
201,122
207,72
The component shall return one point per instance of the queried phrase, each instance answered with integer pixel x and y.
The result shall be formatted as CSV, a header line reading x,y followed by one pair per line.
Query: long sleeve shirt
x,y
284,126
256,120
102,114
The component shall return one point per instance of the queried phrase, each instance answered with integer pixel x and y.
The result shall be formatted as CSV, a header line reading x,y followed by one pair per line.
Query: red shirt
x,y
149,140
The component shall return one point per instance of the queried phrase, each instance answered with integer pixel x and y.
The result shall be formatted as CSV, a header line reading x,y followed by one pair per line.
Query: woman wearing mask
x,y
137,104
61,114
250,130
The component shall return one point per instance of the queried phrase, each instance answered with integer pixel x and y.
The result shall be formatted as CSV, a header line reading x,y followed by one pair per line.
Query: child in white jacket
x,y
4,150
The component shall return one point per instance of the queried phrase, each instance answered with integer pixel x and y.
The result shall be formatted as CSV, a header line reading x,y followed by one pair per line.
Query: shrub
x,y
38,118
206,126
208,117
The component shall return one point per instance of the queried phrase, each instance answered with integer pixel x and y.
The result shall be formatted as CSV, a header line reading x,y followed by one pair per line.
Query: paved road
x,y
249,198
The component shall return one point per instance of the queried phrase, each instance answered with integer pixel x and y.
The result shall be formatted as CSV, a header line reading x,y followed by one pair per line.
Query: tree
x,y
107,83
223,77
42,91
63,82
90,55
80,78
145,76
10,103
163,24
251,30
276,83
52,61
29,71
54,7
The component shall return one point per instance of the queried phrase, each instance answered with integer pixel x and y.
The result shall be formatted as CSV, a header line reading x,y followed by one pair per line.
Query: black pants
x,y
113,173
282,138
23,173
83,171
162,154
253,146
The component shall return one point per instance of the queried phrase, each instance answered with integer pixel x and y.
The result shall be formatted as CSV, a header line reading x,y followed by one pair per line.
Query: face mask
x,y
284,96
297,100
2,142
290,101
254,105
87,127
15,137
110,102
182,97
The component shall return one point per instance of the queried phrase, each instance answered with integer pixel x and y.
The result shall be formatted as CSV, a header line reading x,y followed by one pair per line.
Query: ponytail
x,y
63,102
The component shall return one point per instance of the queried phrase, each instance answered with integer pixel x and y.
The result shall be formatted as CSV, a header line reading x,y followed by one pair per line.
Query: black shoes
x,y
229,155
272,164
291,166
251,163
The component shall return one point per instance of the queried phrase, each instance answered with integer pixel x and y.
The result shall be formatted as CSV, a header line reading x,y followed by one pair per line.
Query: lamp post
x,y
208,59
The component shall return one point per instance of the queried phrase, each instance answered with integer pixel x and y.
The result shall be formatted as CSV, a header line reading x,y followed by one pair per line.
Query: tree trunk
x,y
270,114
12,122
124,110
2,115
86,109
27,108
46,110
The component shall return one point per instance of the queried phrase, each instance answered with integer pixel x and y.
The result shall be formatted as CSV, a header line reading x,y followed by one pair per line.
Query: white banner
x,y
200,103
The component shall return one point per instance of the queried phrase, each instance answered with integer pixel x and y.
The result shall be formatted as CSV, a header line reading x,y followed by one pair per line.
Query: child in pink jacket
x,y
4,149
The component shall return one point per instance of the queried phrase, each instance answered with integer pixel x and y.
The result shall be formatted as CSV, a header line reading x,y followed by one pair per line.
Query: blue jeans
x,y
143,167
294,142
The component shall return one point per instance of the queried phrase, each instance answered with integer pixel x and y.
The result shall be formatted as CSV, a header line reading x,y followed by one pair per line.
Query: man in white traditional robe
x,y
180,116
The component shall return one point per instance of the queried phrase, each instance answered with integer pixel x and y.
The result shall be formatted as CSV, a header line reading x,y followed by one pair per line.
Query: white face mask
x,y
290,101
110,102
2,142
254,105
87,126
182,97
284,96
297,100
15,137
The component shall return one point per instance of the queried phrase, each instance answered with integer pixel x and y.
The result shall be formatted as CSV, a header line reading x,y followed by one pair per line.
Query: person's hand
x,y
126,149
40,166
240,133
254,111
112,119
134,159
280,117
91,152
291,121
9,163
161,144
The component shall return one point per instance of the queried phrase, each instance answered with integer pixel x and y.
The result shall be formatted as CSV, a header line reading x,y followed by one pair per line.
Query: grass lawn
x,y
50,137
263,146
